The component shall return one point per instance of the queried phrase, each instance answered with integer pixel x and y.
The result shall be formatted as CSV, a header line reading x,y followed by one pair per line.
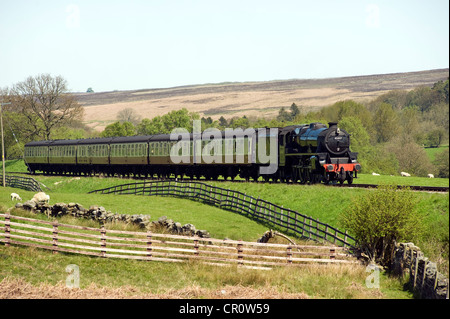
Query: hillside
x,y
249,98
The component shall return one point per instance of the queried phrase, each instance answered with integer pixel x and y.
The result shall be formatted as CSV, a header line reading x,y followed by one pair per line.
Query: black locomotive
x,y
308,153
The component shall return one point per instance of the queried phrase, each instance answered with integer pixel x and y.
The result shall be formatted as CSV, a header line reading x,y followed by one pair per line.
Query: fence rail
x,y
102,242
26,183
255,208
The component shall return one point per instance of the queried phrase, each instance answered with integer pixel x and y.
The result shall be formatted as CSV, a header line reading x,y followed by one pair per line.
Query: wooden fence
x,y
26,183
256,209
146,245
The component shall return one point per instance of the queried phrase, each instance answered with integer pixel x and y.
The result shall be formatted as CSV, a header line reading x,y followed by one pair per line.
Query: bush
x,y
381,218
441,161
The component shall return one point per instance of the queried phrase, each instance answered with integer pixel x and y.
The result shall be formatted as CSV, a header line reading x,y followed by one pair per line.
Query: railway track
x,y
412,187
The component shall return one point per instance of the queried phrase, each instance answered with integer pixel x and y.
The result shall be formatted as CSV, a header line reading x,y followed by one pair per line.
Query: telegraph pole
x,y
3,142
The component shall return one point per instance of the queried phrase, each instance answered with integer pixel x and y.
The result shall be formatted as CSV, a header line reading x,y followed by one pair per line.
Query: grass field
x,y
432,151
43,272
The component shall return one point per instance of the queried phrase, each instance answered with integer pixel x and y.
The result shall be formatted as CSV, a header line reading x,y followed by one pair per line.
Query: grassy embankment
x,y
195,280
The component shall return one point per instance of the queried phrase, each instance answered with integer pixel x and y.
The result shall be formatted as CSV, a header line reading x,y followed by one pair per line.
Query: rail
x,y
26,183
146,245
254,208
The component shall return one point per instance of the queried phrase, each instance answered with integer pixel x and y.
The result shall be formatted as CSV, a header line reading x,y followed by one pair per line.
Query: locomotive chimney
x,y
331,124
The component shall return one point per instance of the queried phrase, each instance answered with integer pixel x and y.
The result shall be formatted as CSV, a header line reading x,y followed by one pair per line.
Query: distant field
x,y
432,151
263,99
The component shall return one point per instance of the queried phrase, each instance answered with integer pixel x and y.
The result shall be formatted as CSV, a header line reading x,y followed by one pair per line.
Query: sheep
x,y
405,174
15,196
375,174
41,197
430,175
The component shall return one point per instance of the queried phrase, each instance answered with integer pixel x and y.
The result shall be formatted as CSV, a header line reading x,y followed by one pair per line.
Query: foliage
x,y
441,162
166,123
381,218
411,157
119,129
128,115
44,104
285,116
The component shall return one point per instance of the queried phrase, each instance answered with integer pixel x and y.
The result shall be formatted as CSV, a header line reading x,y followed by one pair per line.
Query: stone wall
x,y
424,279
100,214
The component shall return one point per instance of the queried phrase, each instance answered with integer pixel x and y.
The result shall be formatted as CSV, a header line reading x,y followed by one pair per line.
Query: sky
x,y
129,45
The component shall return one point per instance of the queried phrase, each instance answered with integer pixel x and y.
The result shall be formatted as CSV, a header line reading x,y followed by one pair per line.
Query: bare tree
x,y
129,115
44,104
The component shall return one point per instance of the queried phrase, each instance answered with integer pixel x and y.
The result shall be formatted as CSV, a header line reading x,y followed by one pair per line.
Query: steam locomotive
x,y
307,153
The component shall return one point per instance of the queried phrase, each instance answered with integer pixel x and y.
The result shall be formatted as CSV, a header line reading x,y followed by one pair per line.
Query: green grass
x,y
432,151
401,180
318,201
185,211
339,282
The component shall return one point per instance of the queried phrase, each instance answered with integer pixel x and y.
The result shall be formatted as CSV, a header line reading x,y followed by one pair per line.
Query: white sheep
x,y
375,174
15,196
41,197
430,175
405,174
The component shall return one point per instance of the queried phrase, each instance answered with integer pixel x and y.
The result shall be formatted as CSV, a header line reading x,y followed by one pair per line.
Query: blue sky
x,y
126,45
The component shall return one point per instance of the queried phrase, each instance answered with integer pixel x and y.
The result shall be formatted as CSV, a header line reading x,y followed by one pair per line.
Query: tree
x,y
380,218
223,122
119,129
166,123
283,115
294,111
359,138
441,162
129,115
89,90
411,157
386,123
151,127
241,122
44,103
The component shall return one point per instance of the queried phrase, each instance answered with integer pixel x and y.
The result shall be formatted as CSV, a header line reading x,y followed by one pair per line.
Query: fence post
x,y
196,246
240,251
289,254
345,238
310,226
55,237
103,239
332,253
7,228
149,244
317,229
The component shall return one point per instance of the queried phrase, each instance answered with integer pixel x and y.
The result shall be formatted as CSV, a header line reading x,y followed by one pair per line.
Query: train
x,y
306,153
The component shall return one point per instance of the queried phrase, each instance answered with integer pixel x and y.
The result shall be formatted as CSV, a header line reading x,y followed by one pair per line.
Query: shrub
x,y
381,218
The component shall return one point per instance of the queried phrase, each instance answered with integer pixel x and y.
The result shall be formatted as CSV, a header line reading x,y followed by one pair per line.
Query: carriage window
x,y
239,146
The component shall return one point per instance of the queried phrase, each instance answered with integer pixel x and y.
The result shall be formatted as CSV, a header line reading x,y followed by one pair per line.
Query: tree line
x,y
389,132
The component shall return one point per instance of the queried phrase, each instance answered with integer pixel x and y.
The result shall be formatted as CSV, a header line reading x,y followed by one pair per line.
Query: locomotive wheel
x,y
294,175
349,178
342,176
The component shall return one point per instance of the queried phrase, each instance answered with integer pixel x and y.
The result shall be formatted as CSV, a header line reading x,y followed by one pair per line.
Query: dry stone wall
x,y
100,214
424,278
